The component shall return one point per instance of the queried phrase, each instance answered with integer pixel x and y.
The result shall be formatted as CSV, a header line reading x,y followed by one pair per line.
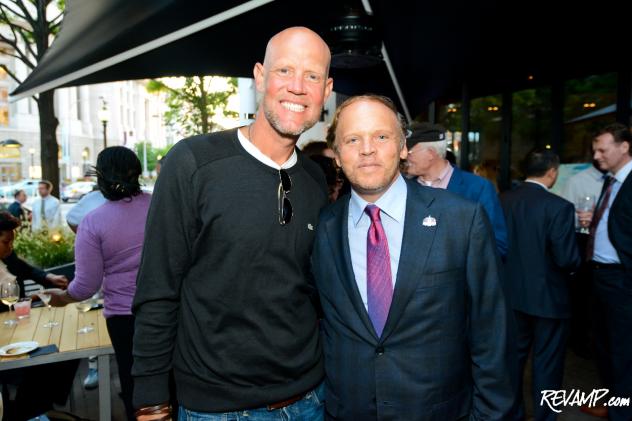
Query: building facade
x,y
125,111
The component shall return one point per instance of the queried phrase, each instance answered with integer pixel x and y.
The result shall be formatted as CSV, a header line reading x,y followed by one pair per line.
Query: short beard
x,y
274,121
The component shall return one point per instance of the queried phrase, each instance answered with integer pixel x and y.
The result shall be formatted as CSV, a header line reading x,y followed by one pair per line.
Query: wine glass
x,y
584,204
84,307
9,295
45,296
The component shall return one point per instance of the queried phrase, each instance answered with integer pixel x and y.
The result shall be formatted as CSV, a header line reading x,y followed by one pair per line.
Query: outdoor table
x,y
72,345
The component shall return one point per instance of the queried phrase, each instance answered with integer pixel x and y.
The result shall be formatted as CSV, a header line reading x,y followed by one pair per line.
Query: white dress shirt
x,y
604,250
52,213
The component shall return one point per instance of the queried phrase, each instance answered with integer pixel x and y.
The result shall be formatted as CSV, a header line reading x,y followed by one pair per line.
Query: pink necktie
x,y
378,268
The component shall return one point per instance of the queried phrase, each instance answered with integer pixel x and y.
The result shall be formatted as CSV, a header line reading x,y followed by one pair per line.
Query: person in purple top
x,y
107,253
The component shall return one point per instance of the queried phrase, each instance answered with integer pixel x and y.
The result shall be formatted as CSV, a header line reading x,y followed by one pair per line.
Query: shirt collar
x,y
392,202
528,180
260,156
623,173
446,171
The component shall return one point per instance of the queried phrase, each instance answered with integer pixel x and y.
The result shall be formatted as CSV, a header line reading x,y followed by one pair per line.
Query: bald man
x,y
224,297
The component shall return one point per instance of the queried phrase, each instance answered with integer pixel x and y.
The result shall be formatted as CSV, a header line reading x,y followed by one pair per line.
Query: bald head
x,y
294,80
301,38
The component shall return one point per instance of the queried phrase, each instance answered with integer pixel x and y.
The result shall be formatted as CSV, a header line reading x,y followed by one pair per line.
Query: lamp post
x,y
104,116
84,157
32,169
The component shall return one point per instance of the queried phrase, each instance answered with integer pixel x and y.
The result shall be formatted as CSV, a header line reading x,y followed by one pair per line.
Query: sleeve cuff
x,y
151,390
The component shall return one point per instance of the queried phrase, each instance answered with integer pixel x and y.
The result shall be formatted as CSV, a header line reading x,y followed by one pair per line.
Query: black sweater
x,y
224,291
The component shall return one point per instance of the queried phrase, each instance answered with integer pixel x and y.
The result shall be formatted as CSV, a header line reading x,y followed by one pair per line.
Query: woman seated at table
x,y
37,387
18,267
107,252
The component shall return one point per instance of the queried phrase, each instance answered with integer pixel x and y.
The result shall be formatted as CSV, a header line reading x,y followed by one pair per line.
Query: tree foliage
x,y
32,25
152,154
193,107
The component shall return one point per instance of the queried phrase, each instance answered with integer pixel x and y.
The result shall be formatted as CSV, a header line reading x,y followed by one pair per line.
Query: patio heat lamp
x,y
354,41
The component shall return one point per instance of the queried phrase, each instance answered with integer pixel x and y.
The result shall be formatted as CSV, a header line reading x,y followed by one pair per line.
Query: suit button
x,y
379,350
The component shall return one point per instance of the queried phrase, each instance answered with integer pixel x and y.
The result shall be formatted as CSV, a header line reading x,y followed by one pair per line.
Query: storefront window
x,y
590,103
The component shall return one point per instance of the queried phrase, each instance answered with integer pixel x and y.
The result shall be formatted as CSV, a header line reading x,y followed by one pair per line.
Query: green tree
x,y
32,26
152,154
193,106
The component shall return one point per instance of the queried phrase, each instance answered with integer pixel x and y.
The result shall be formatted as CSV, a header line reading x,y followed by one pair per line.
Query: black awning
x,y
434,46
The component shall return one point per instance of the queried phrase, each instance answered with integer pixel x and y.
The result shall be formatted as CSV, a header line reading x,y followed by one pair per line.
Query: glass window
x,y
449,116
531,125
590,103
485,129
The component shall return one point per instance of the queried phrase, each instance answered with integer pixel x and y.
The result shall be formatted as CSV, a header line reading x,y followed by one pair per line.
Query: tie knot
x,y
374,212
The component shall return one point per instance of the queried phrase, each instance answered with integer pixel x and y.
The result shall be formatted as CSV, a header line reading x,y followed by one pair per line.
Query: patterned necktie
x,y
43,212
378,271
602,205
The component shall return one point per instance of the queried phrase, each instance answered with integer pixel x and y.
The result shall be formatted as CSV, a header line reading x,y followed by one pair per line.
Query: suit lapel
x,y
337,233
416,246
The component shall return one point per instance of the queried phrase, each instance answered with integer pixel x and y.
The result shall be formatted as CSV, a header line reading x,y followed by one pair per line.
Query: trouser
x,y
613,334
38,387
548,338
121,330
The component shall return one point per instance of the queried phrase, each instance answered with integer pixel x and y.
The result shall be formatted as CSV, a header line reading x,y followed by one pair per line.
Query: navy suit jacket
x,y
479,190
620,226
541,229
442,352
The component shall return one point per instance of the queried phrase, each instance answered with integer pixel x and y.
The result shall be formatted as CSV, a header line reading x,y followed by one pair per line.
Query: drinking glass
x,y
84,307
9,295
584,204
45,297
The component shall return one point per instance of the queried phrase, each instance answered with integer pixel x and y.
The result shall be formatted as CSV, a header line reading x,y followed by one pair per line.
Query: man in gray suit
x,y
415,319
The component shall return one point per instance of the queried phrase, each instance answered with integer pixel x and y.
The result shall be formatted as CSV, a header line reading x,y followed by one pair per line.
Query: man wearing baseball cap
x,y
427,147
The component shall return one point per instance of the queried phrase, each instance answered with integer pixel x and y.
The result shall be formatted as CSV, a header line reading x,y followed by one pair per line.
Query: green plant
x,y
45,248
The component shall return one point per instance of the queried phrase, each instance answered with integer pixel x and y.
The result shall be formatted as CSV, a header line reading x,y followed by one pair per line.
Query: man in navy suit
x,y
610,253
542,253
427,147
414,316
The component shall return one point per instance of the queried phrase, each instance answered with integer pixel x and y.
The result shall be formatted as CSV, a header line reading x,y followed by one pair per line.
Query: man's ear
x,y
403,154
259,74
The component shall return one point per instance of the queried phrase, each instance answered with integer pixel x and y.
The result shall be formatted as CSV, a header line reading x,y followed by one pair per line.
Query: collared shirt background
x,y
585,183
441,182
536,182
604,251
393,211
52,212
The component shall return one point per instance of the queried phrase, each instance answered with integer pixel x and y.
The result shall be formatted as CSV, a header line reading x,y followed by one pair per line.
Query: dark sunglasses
x,y
285,207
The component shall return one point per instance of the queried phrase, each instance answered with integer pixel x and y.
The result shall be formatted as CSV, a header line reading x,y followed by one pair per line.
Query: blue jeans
x,y
310,408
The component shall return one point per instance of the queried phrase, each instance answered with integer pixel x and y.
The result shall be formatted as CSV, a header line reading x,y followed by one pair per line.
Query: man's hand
x,y
59,298
59,281
584,218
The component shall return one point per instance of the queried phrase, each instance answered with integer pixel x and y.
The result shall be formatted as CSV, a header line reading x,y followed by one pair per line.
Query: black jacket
x,y
620,226
542,250
22,271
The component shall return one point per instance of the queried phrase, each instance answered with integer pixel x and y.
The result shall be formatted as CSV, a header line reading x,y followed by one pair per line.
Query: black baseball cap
x,y
424,132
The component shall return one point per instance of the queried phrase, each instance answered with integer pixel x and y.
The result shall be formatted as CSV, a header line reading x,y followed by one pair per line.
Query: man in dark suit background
x,y
427,147
542,253
414,315
16,208
610,253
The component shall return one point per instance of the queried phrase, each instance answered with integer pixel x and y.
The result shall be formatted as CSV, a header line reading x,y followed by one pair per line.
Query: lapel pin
x,y
429,221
